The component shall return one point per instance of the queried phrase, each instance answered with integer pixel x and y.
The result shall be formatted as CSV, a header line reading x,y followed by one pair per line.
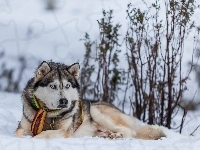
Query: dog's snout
x,y
63,101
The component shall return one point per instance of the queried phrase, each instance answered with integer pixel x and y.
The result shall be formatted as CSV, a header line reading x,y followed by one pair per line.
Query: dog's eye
x,y
53,86
67,86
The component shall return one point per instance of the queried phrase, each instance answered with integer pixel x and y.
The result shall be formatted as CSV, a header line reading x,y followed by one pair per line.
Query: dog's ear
x,y
74,70
42,71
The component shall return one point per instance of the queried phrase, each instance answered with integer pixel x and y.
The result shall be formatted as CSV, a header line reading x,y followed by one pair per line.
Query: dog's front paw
x,y
42,135
19,132
49,134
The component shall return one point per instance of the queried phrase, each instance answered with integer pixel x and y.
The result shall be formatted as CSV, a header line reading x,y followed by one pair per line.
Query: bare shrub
x,y
104,66
154,50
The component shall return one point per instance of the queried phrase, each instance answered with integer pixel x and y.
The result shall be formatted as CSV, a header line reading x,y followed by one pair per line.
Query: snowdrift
x,y
11,112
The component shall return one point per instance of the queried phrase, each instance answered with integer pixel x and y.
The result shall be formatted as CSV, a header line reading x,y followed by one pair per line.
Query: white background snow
x,y
27,28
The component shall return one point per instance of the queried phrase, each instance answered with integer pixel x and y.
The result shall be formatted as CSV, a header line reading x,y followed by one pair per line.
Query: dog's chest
x,y
56,123
52,124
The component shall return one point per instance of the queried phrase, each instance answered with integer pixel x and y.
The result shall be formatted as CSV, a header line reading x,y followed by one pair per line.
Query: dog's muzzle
x,y
63,103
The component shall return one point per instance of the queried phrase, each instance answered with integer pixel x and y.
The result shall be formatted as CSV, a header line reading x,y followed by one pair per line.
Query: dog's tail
x,y
150,132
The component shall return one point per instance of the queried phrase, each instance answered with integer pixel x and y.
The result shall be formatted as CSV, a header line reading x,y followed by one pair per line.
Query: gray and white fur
x,y
56,86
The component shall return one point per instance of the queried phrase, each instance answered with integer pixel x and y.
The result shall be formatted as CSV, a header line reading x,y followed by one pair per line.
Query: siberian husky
x,y
52,109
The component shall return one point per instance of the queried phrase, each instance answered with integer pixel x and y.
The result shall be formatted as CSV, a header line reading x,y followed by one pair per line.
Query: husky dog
x,y
52,108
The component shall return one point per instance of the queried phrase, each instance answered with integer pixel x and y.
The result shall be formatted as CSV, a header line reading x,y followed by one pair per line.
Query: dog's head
x,y
56,84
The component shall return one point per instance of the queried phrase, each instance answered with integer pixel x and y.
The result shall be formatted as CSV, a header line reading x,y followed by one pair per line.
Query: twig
x,y
191,134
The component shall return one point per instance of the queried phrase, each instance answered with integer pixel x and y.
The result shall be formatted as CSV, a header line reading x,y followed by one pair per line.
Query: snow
x,y
11,112
26,28
29,29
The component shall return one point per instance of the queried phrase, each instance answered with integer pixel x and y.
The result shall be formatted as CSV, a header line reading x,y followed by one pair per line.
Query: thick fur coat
x,y
55,86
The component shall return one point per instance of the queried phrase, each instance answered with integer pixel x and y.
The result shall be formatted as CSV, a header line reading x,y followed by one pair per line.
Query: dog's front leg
x,y
49,134
24,128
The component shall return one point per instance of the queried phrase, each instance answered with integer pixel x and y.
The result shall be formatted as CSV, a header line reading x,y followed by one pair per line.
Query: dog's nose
x,y
63,102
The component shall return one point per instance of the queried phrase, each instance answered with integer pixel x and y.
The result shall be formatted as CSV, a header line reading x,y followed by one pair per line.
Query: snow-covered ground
x,y
27,28
11,112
